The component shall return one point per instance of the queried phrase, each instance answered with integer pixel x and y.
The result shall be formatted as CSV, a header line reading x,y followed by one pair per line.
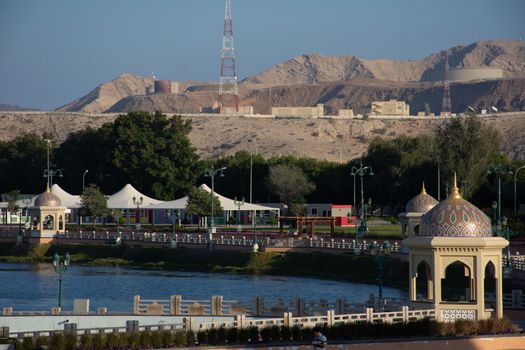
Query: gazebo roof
x,y
229,204
123,199
68,200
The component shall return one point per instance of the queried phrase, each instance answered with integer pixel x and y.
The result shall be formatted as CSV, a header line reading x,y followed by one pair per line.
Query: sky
x,y
54,51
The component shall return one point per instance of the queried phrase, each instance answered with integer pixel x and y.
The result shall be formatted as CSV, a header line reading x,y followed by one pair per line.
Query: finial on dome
x,y
455,190
423,190
47,187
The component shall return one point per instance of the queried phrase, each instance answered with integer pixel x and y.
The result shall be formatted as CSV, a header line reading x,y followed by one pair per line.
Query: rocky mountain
x,y
338,82
315,68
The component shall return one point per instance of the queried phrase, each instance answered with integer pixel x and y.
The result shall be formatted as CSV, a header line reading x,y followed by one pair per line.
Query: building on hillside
x,y
392,107
345,113
164,87
235,110
305,112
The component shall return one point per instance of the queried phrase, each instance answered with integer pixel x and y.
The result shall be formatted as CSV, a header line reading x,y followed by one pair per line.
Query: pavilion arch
x,y
493,265
48,222
60,223
447,261
423,281
457,282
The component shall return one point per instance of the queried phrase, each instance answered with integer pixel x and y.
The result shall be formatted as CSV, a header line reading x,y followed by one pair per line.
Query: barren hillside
x,y
334,140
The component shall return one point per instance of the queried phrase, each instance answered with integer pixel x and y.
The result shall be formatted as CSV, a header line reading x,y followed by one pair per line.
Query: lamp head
x,y
56,259
67,259
373,248
504,221
386,247
371,172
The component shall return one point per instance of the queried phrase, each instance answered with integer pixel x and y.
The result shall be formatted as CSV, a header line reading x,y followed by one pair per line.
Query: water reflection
x,y
35,286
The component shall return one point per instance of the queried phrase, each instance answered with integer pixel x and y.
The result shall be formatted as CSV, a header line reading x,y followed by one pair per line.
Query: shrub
x,y
202,337
191,340
156,339
286,333
232,335
97,342
296,333
56,341
70,341
85,341
266,334
111,340
275,333
166,338
221,335
180,338
40,342
145,339
254,334
244,335
212,336
27,344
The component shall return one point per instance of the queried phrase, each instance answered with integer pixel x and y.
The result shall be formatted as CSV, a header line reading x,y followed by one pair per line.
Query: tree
x,y
199,204
12,206
289,184
93,203
25,157
466,147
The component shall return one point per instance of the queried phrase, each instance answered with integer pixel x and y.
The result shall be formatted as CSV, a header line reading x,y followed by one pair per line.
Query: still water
x,y
32,287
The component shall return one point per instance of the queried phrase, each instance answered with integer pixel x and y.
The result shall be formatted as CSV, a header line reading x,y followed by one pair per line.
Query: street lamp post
x,y
211,172
48,172
138,203
239,204
380,259
362,171
60,264
255,246
506,233
515,200
499,170
83,180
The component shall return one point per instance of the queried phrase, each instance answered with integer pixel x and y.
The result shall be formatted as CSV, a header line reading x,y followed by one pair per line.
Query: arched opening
x,y
35,222
424,289
490,286
60,223
455,287
48,223
416,230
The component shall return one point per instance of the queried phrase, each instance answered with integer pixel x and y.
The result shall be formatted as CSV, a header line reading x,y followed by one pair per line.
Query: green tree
x,y
466,146
93,203
290,185
199,204
25,159
12,206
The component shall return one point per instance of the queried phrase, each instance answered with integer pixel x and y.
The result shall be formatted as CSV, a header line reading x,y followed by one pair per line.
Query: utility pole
x,y
446,108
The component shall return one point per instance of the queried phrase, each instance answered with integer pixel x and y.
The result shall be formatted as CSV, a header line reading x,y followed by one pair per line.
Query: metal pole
x,y
59,286
251,175
362,194
83,180
47,141
439,182
212,223
499,198
515,191
380,261
354,194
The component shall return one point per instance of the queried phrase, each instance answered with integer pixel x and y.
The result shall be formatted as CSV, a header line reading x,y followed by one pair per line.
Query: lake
x,y
34,287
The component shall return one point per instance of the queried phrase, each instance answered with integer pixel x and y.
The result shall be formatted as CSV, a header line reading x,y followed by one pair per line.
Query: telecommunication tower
x,y
446,108
228,92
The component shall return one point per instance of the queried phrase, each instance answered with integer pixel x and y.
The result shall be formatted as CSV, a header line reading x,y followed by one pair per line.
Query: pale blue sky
x,y
54,51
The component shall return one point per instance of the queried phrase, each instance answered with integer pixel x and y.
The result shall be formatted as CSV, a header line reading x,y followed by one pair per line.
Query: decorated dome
x,y
455,217
421,203
47,199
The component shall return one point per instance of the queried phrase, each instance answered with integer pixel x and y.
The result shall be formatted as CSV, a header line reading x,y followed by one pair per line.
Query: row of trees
x,y
153,152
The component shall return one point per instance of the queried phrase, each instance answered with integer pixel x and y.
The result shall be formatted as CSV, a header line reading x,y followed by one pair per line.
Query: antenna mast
x,y
228,92
446,108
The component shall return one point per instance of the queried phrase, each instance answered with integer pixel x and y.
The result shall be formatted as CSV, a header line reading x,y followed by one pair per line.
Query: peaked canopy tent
x,y
123,200
228,205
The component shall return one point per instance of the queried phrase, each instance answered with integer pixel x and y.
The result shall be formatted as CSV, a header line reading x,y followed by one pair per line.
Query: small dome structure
x,y
421,203
455,217
47,199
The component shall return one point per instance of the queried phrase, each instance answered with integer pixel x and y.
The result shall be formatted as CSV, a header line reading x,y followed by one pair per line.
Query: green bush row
x,y
273,334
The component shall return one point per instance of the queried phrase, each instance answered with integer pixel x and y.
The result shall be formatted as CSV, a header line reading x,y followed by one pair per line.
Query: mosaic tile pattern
x,y
453,315
455,217
421,203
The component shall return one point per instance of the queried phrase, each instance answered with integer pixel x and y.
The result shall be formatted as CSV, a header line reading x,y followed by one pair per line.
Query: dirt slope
x,y
335,140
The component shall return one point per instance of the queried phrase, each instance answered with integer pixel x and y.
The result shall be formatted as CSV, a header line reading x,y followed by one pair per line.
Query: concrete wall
x,y
345,113
317,111
233,110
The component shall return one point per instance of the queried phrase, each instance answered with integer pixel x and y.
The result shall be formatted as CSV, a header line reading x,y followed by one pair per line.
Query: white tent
x,y
123,199
68,200
174,205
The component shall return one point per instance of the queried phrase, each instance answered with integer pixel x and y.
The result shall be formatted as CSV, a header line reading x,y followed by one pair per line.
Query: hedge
x,y
252,335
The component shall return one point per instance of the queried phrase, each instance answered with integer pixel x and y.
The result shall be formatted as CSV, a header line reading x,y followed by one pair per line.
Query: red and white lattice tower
x,y
228,92
446,107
